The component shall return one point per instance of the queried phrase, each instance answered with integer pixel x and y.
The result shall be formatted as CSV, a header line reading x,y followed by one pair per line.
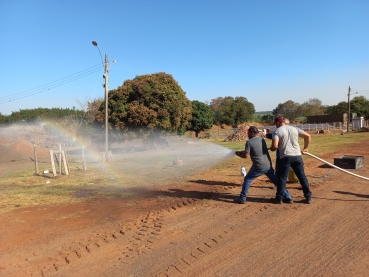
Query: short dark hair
x,y
254,130
278,119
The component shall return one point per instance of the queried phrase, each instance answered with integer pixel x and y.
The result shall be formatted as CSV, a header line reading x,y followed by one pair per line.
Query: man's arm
x,y
307,139
274,145
242,154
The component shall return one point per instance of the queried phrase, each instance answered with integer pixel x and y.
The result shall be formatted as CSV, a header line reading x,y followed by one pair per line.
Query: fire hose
x,y
365,178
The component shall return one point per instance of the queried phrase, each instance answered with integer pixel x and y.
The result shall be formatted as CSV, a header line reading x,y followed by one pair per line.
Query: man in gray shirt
x,y
257,149
285,139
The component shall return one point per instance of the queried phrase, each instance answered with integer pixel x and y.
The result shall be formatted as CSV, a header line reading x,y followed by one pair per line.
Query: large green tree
x,y
288,109
242,109
360,106
221,107
202,117
230,111
148,103
340,108
312,107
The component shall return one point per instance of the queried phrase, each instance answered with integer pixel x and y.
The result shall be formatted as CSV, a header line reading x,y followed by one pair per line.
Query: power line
x,y
51,85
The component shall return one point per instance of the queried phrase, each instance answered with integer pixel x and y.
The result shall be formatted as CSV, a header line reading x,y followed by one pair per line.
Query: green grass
x,y
320,144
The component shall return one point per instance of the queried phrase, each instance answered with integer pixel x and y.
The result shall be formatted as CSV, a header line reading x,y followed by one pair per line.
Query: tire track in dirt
x,y
213,237
250,230
129,240
301,251
125,242
200,246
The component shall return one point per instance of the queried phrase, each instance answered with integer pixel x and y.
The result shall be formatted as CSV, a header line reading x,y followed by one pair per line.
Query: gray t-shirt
x,y
288,144
259,154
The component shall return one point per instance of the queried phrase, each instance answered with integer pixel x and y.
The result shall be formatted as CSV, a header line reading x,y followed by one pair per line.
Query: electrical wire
x,y
51,85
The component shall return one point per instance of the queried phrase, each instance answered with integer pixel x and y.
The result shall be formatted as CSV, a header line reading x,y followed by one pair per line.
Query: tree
x,y
91,108
360,106
312,107
230,111
146,104
288,109
202,117
242,109
340,108
265,118
39,114
2,118
222,110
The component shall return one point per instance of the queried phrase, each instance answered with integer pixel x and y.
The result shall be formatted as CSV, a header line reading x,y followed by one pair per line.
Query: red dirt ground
x,y
196,230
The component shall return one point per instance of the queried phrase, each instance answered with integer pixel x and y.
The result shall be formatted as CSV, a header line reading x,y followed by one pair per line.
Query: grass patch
x,y
25,189
22,188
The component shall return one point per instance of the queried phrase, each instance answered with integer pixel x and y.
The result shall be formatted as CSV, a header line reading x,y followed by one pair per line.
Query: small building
x,y
357,123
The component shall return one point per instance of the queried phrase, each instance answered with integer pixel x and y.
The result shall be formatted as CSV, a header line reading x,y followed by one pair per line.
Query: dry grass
x,y
23,188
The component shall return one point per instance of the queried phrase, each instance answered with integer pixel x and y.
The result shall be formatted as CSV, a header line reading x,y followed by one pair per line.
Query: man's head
x,y
286,121
279,121
252,132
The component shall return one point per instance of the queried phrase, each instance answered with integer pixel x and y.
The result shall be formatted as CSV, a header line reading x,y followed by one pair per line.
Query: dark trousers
x,y
283,168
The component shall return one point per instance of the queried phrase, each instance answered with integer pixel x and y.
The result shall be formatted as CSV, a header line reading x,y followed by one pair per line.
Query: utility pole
x,y
348,108
106,77
106,155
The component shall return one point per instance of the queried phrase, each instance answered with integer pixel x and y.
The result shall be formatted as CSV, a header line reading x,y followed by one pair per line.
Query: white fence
x,y
222,133
317,126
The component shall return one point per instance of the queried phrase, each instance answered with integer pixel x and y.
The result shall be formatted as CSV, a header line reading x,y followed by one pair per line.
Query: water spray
x,y
365,178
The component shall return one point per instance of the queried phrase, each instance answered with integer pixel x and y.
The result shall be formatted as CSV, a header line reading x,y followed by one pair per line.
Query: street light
x,y
106,77
348,107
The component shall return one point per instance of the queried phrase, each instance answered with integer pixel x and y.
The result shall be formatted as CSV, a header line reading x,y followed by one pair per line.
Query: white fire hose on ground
x,y
365,178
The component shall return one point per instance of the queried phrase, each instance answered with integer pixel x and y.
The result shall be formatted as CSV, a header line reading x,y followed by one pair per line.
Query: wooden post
x,y
83,158
65,163
106,156
35,157
64,158
110,155
52,162
60,159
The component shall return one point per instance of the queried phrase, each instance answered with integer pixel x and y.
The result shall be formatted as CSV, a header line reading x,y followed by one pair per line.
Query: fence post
x,y
83,158
60,160
35,156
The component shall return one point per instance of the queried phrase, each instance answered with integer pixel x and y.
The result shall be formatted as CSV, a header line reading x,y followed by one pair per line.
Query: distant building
x,y
329,118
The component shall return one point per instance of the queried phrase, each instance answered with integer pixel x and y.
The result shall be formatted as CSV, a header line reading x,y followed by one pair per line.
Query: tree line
x,y
154,104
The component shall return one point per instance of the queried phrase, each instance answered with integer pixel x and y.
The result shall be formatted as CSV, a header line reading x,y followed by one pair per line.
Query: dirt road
x,y
196,230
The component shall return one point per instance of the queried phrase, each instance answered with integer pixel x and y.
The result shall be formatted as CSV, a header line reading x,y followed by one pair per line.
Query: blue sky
x,y
266,51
